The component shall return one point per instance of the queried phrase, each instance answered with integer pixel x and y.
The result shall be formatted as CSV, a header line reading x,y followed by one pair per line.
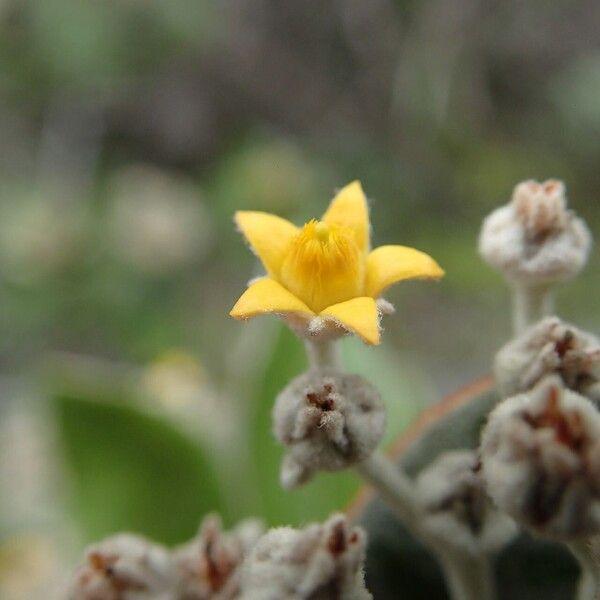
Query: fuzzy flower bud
x,y
456,508
550,347
540,454
535,239
208,567
124,567
327,421
320,562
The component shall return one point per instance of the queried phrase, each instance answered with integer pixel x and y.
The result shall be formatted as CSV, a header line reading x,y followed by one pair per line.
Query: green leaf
x,y
131,471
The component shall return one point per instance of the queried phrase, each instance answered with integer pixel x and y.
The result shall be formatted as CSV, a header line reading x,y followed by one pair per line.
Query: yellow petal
x,y
268,236
358,315
389,264
349,209
267,296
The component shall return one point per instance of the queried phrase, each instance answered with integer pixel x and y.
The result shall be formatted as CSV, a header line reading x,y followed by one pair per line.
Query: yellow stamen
x,y
323,265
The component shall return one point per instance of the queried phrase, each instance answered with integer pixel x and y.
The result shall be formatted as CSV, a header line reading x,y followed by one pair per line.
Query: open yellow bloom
x,y
323,276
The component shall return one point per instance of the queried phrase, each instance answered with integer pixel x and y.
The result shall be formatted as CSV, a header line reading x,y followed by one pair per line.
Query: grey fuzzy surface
x,y
399,567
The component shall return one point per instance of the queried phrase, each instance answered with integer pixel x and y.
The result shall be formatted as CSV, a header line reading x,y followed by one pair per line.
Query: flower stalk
x,y
393,485
323,355
531,303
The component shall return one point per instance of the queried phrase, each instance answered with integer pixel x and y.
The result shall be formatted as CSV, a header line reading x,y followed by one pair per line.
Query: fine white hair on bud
x,y
124,567
540,455
550,347
320,562
535,239
327,421
385,307
316,329
208,567
456,511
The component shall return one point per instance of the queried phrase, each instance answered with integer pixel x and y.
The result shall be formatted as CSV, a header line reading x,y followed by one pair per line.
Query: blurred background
x,y
132,129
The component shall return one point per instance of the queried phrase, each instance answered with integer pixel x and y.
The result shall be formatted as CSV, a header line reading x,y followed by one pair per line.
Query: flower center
x,y
323,265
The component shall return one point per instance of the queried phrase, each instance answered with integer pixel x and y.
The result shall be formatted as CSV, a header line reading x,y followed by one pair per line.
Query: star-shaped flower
x,y
322,278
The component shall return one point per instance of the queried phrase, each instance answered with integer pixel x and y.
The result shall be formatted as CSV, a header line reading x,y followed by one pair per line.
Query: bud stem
x,y
530,305
468,576
323,355
392,484
587,552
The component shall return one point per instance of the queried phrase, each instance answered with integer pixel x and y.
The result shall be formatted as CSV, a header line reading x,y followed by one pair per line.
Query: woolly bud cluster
x,y
456,509
320,562
208,567
129,567
550,347
124,567
540,454
535,239
327,421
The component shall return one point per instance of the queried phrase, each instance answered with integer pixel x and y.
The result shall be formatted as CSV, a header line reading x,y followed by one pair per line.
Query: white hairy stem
x,y
468,576
324,355
587,553
393,485
530,304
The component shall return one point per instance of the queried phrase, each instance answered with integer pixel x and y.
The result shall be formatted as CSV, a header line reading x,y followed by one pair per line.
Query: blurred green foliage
x,y
133,472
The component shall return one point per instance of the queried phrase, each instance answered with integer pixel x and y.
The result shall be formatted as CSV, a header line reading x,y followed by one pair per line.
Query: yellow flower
x,y
323,276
